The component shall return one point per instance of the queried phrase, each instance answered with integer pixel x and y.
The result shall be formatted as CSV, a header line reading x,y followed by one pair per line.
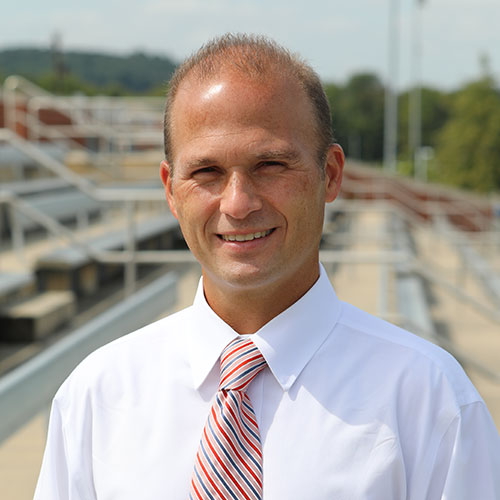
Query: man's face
x,y
246,186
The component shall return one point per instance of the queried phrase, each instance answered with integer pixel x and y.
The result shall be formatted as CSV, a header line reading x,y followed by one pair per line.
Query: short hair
x,y
255,56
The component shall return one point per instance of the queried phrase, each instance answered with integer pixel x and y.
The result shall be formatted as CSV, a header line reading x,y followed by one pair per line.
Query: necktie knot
x,y
240,362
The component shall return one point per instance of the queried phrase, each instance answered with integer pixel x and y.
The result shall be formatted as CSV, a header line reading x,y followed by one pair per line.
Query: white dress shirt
x,y
349,408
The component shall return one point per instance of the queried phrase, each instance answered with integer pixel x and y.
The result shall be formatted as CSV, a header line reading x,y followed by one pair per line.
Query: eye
x,y
205,172
271,166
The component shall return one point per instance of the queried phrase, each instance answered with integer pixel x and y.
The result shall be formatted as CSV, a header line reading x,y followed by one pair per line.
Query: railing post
x,y
82,220
18,240
384,269
131,265
9,101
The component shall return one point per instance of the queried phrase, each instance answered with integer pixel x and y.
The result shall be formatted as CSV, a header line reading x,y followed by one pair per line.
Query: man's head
x,y
256,58
242,176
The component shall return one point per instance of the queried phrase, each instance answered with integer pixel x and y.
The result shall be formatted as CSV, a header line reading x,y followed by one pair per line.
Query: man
x,y
338,404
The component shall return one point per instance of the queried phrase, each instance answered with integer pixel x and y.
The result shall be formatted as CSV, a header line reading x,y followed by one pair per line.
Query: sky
x,y
339,38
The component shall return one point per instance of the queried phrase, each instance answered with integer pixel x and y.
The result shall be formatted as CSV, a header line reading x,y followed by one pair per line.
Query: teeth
x,y
245,237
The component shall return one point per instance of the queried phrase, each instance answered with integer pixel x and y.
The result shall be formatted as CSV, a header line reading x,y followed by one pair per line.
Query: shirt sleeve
x,y
468,462
66,472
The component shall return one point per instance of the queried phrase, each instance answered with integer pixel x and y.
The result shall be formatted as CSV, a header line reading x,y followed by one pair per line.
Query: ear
x,y
166,178
334,167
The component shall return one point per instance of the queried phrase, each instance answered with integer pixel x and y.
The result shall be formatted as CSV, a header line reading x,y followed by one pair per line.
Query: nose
x,y
239,197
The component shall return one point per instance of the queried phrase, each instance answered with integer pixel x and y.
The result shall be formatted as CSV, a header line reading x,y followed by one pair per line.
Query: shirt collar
x,y
287,342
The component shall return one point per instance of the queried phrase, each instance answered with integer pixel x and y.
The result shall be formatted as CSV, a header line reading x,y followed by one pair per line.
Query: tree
x,y
435,113
468,148
131,74
64,85
358,115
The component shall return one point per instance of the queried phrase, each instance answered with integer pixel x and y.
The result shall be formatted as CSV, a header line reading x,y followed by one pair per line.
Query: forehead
x,y
231,103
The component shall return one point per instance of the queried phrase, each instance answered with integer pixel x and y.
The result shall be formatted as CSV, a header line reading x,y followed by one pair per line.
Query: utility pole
x,y
415,101
391,95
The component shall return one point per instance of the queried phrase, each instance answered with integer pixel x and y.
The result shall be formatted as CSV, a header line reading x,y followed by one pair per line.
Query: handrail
x,y
47,222
480,267
15,82
48,162
11,84
59,169
428,207
58,132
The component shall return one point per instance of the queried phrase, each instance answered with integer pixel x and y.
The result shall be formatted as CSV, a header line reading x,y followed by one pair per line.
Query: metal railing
x,y
376,185
120,122
29,388
127,197
411,276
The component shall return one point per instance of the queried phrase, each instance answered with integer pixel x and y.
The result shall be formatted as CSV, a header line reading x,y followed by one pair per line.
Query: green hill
x,y
136,73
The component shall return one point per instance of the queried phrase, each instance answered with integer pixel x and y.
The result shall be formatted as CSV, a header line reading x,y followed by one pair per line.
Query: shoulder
x,y
135,360
398,357
383,373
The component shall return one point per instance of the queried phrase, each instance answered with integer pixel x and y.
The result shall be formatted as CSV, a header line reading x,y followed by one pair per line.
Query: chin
x,y
243,277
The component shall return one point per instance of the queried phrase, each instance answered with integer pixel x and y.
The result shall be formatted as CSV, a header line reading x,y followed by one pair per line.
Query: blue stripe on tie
x,y
203,484
250,410
256,436
243,374
226,420
213,467
236,467
233,431
244,353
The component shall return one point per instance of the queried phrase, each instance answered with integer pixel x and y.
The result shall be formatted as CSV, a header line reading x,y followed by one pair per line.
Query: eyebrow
x,y
278,154
201,162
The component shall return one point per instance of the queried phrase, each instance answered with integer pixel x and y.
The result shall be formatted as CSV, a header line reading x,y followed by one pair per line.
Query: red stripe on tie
x,y
213,461
233,447
193,486
224,466
247,441
250,416
230,353
244,434
211,481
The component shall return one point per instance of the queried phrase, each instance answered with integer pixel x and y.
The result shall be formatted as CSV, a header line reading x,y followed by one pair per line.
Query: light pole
x,y
415,101
391,96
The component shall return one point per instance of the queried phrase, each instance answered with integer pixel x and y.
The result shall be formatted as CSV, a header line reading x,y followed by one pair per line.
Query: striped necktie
x,y
229,460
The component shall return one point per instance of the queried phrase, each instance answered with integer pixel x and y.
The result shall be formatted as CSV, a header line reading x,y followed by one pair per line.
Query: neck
x,y
247,310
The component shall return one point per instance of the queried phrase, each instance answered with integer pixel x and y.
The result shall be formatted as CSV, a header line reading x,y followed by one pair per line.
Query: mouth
x,y
245,237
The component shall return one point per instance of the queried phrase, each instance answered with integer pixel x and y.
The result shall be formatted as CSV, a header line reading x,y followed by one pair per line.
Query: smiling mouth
x,y
246,237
